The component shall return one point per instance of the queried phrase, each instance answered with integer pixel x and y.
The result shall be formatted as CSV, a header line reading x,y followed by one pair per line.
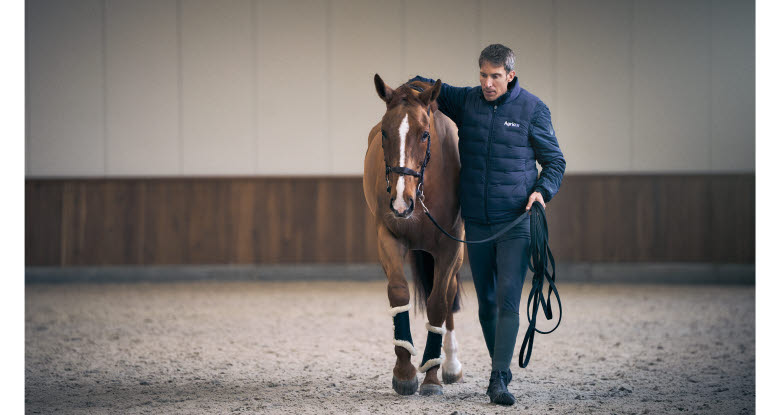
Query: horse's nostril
x,y
410,208
392,206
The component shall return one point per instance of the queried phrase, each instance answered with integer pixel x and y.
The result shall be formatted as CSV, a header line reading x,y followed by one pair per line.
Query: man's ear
x,y
510,76
430,94
384,91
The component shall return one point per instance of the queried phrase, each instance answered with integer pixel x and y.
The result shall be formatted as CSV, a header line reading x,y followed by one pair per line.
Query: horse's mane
x,y
405,94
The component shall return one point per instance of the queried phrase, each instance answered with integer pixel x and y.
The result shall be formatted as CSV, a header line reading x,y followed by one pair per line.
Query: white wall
x,y
259,87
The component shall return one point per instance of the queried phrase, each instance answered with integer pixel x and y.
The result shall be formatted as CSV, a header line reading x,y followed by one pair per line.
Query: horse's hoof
x,y
449,378
430,389
405,387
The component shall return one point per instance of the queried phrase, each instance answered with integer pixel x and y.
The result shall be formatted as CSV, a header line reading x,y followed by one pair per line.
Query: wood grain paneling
x,y
733,218
42,225
99,222
654,218
165,219
594,218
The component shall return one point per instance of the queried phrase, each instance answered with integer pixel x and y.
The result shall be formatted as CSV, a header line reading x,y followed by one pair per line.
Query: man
x,y
503,131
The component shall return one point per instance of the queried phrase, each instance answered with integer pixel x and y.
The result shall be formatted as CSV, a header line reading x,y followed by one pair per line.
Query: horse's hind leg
x,y
391,254
451,372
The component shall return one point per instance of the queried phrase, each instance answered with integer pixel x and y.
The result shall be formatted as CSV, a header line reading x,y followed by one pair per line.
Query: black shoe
x,y
506,382
497,388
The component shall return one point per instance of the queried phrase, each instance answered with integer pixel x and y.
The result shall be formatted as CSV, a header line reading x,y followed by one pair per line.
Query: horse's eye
x,y
425,136
383,134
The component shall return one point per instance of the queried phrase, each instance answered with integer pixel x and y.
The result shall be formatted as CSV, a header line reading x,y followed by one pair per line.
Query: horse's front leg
x,y
391,255
439,306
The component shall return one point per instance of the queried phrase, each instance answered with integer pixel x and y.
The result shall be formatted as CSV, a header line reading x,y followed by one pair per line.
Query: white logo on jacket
x,y
511,124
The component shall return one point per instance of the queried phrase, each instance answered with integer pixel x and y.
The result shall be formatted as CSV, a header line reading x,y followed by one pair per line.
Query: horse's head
x,y
405,139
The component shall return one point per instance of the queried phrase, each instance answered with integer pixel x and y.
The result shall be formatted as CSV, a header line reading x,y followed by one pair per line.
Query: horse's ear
x,y
430,94
384,91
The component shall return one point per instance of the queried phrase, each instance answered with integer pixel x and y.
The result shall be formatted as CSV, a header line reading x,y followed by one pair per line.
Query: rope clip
x,y
421,200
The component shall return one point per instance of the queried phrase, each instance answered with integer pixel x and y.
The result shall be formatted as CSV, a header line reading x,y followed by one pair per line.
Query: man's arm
x,y
451,99
547,152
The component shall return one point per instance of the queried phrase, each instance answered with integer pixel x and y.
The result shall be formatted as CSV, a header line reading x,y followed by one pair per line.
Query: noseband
x,y
405,171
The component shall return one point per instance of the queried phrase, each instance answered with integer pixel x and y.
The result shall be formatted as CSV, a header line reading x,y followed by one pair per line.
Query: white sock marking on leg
x,y
451,348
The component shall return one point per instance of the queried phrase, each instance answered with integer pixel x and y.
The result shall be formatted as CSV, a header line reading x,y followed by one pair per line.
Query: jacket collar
x,y
513,90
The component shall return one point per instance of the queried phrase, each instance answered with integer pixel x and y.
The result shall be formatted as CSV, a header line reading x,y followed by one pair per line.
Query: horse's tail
x,y
423,270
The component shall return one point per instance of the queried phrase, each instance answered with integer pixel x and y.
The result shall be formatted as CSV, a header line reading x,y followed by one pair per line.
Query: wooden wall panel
x,y
166,217
654,218
733,218
246,213
99,222
42,225
210,227
624,218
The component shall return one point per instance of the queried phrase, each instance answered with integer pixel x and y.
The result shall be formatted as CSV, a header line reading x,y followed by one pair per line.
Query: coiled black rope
x,y
539,254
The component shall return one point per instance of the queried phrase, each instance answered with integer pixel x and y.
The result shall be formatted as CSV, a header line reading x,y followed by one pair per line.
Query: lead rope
x,y
538,256
490,238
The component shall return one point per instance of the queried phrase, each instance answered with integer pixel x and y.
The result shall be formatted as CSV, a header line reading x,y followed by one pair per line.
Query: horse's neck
x,y
447,142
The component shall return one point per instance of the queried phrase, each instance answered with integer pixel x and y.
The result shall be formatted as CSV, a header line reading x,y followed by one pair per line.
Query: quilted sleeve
x,y
547,151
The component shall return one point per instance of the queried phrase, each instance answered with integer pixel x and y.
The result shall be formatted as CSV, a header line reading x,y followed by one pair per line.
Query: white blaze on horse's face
x,y
400,204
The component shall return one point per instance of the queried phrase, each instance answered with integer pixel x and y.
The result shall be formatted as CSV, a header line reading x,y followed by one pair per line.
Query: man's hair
x,y
498,55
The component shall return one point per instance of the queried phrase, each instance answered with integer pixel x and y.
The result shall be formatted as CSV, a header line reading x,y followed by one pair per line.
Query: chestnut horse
x,y
412,163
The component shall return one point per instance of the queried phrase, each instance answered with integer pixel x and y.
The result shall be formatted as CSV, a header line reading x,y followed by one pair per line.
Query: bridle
x,y
405,171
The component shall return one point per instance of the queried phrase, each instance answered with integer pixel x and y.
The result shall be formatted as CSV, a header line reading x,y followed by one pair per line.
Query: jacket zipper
x,y
488,164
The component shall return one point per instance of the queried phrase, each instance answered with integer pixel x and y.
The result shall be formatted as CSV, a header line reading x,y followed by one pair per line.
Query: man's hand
x,y
535,196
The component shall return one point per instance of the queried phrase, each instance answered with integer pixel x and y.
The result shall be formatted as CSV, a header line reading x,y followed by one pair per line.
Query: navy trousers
x,y
499,268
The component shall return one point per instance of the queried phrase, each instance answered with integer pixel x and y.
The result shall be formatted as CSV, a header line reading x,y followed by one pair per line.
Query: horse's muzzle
x,y
403,214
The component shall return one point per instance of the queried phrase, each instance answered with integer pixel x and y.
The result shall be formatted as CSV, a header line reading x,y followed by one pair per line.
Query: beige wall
x,y
239,87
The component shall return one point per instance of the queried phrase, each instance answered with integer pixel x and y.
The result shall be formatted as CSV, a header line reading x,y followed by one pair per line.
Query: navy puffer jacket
x,y
499,144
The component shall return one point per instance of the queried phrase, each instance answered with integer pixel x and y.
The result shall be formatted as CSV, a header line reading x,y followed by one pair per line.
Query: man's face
x,y
494,80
